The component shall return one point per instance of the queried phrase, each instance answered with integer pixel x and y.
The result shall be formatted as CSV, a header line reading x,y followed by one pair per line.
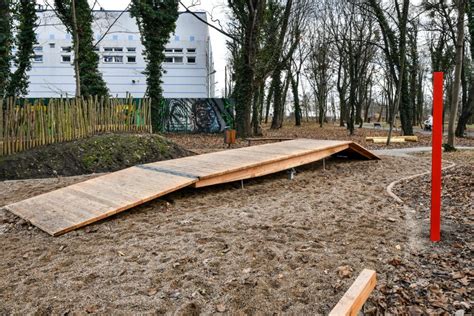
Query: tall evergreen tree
x,y
91,81
25,40
156,21
5,44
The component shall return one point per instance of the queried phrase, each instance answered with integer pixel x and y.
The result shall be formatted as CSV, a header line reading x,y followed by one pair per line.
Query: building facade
x,y
189,67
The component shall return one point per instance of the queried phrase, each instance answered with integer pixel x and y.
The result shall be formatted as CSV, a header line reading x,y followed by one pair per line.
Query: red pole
x,y
437,143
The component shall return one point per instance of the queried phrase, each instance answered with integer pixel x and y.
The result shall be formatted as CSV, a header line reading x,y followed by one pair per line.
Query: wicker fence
x,y
25,125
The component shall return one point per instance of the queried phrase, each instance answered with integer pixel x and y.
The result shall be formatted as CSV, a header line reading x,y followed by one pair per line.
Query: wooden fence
x,y
24,125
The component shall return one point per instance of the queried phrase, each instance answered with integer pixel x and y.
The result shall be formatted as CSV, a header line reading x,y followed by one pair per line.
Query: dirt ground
x,y
275,246
202,143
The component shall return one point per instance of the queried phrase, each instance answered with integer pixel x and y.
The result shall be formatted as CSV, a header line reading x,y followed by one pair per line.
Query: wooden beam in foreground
x,y
353,300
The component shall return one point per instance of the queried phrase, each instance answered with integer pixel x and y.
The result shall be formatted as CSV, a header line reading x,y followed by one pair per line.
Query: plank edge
x,y
357,294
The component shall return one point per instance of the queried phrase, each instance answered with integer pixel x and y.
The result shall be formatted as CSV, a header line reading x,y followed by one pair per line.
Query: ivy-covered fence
x,y
25,124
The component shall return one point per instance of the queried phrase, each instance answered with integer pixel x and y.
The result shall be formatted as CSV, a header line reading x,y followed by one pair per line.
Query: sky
x,y
215,7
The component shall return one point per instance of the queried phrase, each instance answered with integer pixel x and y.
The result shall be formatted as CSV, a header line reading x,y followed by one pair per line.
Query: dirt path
x,y
274,246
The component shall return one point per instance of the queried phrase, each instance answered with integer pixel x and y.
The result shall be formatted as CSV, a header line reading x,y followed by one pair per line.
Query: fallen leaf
x,y
344,271
221,308
152,291
92,309
464,281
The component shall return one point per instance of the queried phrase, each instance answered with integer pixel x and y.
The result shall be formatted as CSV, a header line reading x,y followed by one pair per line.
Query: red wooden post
x,y
437,143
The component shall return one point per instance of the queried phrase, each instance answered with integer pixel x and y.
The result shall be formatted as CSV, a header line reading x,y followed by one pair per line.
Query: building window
x,y
176,38
130,38
66,58
192,38
66,49
51,37
38,58
118,49
108,49
131,49
115,37
113,59
191,50
178,50
68,36
168,50
178,59
96,48
131,59
191,60
168,59
52,45
38,48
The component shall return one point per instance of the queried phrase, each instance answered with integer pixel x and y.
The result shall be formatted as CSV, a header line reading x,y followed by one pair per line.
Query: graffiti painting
x,y
198,115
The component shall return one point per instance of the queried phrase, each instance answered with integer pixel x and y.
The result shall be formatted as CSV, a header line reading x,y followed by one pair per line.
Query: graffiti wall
x,y
198,115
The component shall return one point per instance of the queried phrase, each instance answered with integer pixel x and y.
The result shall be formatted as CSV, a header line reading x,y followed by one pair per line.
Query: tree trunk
x,y
402,87
76,48
255,111
296,98
277,120
457,74
466,114
269,102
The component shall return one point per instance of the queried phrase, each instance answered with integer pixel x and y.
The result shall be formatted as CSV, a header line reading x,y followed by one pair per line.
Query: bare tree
x,y
461,5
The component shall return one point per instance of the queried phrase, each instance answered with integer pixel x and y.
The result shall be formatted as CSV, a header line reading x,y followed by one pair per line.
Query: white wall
x,y
52,77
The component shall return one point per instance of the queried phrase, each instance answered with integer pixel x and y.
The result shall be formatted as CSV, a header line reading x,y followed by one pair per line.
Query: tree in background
x,y
24,13
76,15
25,39
5,44
461,8
249,16
468,107
395,42
156,21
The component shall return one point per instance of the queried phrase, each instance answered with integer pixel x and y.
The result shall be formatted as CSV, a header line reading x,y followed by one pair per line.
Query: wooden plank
x,y
83,203
384,140
268,138
353,300
405,138
276,156
78,205
362,151
268,168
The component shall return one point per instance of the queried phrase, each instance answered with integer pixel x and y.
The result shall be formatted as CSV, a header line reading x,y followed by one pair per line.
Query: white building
x,y
189,68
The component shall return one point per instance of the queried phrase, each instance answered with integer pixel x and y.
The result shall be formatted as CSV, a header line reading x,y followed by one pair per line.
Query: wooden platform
x,y
78,205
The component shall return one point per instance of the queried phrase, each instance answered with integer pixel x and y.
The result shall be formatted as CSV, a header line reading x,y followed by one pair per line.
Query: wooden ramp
x,y
78,205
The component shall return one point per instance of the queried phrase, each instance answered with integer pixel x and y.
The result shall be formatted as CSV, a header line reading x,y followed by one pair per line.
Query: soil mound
x,y
100,153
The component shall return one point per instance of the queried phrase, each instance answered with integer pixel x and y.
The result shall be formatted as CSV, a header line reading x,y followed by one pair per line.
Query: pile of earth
x,y
100,153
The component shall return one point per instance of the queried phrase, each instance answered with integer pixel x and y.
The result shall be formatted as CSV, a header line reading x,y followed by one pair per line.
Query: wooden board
x,y
83,203
78,205
381,139
353,300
